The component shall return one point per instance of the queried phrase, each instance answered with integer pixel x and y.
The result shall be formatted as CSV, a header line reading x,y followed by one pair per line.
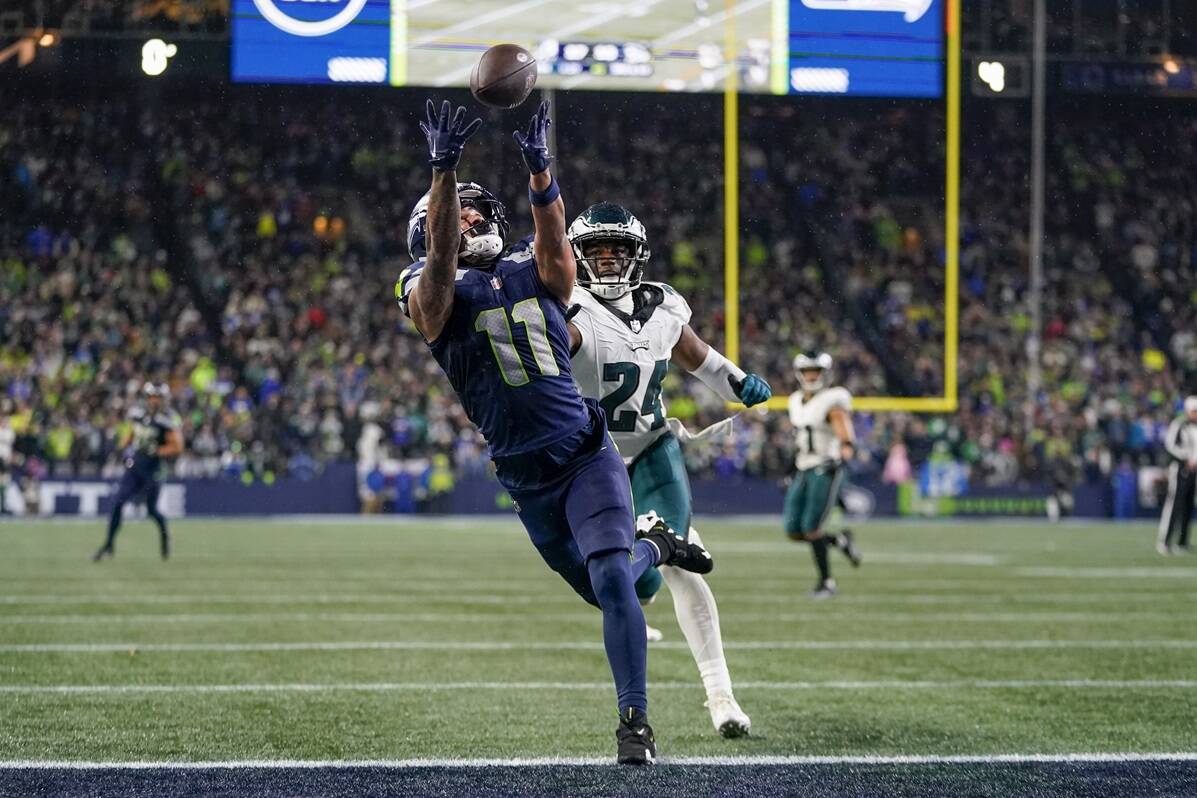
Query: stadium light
x,y
155,56
994,75
47,40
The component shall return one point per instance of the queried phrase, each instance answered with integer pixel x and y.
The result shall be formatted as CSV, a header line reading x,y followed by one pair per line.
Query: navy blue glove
x,y
752,390
446,137
534,144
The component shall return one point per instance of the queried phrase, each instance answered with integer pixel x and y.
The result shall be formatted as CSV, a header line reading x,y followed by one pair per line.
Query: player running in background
x,y
153,436
623,338
822,421
494,320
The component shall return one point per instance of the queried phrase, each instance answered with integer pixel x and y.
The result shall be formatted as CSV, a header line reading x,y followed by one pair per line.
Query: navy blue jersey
x,y
505,349
149,435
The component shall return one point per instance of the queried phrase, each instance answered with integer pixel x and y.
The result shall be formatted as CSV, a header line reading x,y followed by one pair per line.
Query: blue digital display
x,y
858,47
311,41
888,48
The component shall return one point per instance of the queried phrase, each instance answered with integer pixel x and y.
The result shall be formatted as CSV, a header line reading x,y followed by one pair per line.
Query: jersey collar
x,y
645,300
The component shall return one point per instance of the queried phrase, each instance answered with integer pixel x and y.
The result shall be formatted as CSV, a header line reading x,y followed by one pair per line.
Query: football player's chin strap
x,y
698,617
720,374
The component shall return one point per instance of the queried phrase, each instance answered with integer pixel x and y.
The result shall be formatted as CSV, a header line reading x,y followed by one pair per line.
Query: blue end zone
x,y
1110,779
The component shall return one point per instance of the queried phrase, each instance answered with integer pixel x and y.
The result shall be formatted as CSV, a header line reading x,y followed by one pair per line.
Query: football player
x,y
623,336
494,318
152,437
821,417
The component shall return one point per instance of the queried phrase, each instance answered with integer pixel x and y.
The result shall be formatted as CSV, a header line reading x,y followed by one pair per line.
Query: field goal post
x,y
731,227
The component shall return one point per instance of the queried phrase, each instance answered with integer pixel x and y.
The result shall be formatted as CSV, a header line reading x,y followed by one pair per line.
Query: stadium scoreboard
x,y
852,47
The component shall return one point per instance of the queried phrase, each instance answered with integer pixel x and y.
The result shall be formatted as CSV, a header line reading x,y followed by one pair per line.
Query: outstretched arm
x,y
721,375
554,257
432,300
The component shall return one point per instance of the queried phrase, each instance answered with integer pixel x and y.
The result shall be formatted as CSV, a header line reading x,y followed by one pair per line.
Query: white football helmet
x,y
607,221
810,361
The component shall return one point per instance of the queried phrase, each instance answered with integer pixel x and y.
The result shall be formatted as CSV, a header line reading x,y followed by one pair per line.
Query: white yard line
x,y
554,597
490,646
1121,572
389,687
520,762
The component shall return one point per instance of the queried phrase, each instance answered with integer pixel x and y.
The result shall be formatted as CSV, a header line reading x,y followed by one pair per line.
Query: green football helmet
x,y
811,361
607,221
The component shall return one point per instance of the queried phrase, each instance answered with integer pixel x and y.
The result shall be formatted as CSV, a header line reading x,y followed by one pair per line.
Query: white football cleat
x,y
730,721
1163,548
654,634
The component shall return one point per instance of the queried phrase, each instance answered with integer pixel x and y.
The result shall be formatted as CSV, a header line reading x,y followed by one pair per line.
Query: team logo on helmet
x,y
480,244
609,222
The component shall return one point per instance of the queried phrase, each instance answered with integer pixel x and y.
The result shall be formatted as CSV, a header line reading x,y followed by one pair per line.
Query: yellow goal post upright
x,y
731,236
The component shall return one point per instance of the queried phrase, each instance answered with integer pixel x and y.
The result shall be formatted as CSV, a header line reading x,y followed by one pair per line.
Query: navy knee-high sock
x,y
624,636
114,522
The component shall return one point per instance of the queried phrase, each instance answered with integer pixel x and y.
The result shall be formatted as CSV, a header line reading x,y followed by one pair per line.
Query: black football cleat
x,y
849,548
674,550
635,737
105,551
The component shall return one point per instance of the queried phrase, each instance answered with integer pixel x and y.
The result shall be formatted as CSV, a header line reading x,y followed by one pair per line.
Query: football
x,y
504,76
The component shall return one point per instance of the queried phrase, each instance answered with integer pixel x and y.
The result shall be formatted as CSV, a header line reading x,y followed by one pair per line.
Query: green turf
x,y
471,582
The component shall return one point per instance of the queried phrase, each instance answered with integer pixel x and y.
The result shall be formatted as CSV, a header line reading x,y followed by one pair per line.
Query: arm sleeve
x,y
715,371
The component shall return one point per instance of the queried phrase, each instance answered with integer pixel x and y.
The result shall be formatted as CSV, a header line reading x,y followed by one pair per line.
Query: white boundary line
x,y
711,761
389,687
566,645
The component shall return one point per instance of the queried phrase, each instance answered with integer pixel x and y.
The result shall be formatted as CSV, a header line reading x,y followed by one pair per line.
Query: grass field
x,y
292,640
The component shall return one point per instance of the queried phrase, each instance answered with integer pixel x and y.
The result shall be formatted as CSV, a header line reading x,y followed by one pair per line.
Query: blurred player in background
x,y
821,417
494,318
623,337
152,437
1181,442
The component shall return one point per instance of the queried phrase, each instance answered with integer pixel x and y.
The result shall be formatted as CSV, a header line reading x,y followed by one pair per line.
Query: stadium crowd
x,y
242,249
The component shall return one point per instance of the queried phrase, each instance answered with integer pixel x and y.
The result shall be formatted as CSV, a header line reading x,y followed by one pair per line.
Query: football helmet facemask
x,y
482,243
812,361
608,222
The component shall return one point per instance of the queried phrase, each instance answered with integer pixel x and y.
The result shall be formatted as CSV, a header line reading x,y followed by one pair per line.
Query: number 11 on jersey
x,y
495,324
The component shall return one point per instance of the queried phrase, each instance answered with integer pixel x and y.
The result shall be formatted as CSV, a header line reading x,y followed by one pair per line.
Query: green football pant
x,y
810,498
660,483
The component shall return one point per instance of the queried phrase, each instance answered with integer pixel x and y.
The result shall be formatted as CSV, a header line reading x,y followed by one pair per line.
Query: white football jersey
x,y
623,358
817,444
